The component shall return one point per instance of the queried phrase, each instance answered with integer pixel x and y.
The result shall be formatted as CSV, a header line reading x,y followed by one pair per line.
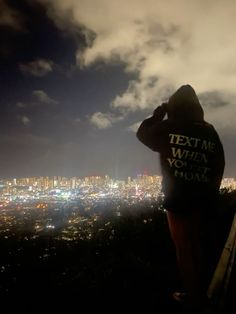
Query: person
x,y
192,163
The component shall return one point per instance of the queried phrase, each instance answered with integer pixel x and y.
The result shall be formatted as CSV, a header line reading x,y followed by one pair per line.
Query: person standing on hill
x,y
192,163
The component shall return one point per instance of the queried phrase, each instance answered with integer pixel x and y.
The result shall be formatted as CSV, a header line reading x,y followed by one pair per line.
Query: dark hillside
x,y
128,268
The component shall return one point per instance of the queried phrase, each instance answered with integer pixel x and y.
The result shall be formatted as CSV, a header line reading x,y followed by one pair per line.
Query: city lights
x,y
71,209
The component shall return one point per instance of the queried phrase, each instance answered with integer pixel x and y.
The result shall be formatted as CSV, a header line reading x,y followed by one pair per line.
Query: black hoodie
x,y
191,153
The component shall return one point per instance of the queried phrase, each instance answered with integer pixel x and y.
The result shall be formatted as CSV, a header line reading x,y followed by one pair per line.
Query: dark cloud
x,y
43,98
39,67
11,17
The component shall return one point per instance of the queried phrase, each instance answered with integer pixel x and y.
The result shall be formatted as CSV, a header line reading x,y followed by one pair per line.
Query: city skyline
x,y
78,77
56,181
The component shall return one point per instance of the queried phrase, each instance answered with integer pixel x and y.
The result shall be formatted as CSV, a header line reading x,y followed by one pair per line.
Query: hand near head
x,y
160,111
164,105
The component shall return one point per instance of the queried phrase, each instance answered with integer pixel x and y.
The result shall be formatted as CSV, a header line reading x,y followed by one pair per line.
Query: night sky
x,y
78,76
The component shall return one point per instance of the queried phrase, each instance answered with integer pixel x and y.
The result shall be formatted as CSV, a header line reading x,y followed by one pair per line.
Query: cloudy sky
x,y
78,76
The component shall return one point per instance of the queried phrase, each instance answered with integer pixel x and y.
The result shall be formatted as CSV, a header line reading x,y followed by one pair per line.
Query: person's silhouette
x,y
192,163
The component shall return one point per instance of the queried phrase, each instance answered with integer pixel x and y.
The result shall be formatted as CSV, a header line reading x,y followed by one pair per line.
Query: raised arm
x,y
151,131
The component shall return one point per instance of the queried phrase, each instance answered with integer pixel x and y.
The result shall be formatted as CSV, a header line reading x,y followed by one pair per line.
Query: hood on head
x,y
184,105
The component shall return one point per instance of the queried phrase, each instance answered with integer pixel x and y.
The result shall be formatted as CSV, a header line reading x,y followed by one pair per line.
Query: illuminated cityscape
x,y
89,188
74,208
70,208
75,229
93,187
